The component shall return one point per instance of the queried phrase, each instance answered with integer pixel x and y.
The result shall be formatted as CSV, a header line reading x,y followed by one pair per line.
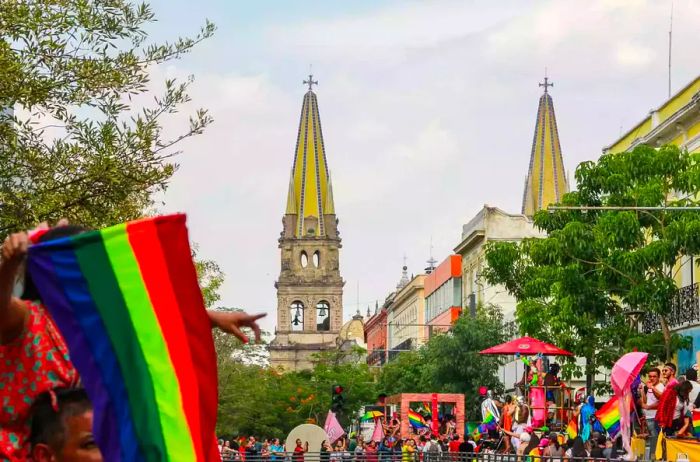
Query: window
x,y
323,316
316,258
304,259
296,311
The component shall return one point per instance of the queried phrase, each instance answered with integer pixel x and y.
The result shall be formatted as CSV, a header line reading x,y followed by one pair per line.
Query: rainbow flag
x,y
127,301
609,417
490,419
416,420
696,422
473,429
572,429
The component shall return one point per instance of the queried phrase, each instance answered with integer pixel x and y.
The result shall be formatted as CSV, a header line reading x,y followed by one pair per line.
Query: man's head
x,y
669,371
691,374
654,375
61,427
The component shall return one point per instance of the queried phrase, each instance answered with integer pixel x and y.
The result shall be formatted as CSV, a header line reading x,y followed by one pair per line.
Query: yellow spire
x,y
309,190
546,181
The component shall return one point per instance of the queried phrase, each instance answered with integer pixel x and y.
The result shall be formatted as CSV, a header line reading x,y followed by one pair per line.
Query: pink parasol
x,y
626,369
623,374
526,346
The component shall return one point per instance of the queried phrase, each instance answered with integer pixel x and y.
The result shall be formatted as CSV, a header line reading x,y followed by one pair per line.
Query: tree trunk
x,y
667,337
589,376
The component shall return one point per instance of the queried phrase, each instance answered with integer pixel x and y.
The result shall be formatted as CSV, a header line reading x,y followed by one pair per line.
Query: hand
x,y
232,321
14,249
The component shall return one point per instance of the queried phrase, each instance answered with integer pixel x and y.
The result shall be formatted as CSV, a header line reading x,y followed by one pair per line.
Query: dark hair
x,y
534,442
554,438
509,399
671,366
684,389
577,448
30,291
691,374
50,411
655,369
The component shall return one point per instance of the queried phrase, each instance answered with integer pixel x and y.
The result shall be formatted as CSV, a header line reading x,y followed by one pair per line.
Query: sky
x,y
428,111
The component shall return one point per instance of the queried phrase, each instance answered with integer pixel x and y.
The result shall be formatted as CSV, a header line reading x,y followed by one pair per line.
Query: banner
x,y
333,428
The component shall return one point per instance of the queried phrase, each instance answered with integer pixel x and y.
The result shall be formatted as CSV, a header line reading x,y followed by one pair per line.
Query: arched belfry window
x,y
296,311
316,258
323,316
304,259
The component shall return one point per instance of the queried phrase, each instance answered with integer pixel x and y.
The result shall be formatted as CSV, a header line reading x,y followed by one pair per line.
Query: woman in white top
x,y
681,414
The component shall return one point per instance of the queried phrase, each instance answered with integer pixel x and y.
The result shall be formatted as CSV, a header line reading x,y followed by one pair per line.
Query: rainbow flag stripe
x,y
490,419
609,416
122,297
416,419
572,429
696,422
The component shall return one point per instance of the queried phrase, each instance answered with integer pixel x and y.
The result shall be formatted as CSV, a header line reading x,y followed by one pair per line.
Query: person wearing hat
x,y
537,452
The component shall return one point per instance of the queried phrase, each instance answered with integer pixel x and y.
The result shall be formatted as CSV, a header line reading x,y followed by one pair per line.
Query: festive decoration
x,y
609,416
696,422
572,429
623,375
128,304
416,420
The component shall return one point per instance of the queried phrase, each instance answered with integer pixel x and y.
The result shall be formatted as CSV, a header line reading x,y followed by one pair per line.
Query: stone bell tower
x,y
309,288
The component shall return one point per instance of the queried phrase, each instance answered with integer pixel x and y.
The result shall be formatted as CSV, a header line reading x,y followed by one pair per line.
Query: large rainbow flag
x,y
609,417
127,301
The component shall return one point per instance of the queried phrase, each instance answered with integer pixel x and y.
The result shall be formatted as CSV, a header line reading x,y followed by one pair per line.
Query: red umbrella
x,y
526,346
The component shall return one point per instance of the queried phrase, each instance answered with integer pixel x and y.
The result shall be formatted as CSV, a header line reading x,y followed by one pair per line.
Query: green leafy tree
x,y
73,142
578,286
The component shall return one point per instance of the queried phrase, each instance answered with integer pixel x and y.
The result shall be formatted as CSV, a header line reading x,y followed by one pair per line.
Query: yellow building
x,y
677,121
406,316
546,178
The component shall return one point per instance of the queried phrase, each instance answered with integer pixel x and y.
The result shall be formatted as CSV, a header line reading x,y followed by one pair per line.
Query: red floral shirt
x,y
35,362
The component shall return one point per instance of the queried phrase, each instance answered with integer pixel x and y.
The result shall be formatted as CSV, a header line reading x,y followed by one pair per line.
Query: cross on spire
x,y
311,82
546,82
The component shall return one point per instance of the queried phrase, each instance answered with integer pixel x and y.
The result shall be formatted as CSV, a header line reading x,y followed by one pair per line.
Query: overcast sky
x,y
428,110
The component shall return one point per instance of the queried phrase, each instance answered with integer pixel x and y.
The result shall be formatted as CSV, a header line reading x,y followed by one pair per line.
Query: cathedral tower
x,y
309,288
546,181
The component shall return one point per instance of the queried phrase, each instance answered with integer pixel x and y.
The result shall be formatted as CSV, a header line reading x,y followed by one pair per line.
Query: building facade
x,y
677,122
376,334
406,318
443,295
490,224
309,288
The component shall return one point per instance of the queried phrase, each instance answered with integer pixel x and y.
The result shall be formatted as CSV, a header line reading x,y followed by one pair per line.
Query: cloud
x,y
427,110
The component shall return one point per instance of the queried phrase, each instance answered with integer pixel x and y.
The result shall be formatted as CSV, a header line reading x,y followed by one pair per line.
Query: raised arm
x,y
232,321
13,312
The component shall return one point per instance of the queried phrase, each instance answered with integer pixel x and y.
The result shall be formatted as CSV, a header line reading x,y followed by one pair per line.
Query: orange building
x,y
443,295
376,336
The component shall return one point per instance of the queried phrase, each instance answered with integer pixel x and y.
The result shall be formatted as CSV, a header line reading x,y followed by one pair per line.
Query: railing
x,y
486,455
376,357
685,311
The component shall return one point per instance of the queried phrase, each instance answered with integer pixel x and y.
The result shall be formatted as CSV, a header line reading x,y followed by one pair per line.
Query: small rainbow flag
x,y
572,429
416,419
609,417
473,430
696,422
127,301
490,419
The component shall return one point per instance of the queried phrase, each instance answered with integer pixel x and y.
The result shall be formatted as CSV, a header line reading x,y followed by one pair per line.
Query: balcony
x,y
685,311
376,358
